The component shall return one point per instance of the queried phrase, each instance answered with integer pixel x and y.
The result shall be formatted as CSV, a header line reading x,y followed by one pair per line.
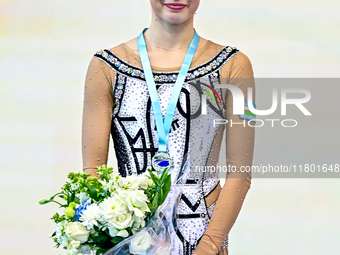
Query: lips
x,y
175,6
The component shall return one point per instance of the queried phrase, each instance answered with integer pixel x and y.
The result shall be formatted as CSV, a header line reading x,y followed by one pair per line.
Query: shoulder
x,y
108,56
102,63
237,54
120,56
236,61
132,44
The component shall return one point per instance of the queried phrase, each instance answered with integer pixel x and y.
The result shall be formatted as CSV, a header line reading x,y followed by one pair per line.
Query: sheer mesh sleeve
x,y
97,115
239,152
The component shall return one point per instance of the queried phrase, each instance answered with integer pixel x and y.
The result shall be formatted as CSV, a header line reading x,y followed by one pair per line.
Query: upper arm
x,y
97,114
240,131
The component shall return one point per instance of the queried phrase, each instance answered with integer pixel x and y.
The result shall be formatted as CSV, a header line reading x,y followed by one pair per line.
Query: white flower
x,y
138,223
130,182
140,243
70,235
136,201
86,250
76,231
145,180
123,233
71,245
115,232
114,211
138,198
60,230
74,186
83,197
91,216
73,250
112,230
109,186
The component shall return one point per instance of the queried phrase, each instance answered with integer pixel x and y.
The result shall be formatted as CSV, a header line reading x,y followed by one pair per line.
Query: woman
x,y
117,101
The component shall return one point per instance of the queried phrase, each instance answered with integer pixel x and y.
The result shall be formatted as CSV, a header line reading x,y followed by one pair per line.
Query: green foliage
x,y
166,187
116,239
104,172
79,182
101,238
44,201
95,189
157,193
57,218
102,251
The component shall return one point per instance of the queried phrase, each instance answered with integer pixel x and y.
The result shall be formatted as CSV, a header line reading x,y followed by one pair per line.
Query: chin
x,y
175,20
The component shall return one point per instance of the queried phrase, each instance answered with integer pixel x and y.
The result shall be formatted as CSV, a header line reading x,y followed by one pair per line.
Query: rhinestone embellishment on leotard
x,y
118,92
201,70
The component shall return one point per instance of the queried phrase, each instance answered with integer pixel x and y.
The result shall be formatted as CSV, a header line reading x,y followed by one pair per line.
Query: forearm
x,y
226,211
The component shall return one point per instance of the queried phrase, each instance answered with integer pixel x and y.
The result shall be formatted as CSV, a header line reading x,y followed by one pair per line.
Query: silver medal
x,y
161,161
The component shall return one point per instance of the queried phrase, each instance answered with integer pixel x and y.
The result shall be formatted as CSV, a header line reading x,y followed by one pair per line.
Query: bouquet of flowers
x,y
101,213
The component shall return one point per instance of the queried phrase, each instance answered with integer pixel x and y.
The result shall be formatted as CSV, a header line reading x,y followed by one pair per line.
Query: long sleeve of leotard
x,y
97,115
239,152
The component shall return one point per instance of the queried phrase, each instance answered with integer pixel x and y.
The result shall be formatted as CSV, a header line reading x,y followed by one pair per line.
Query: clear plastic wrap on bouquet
x,y
155,237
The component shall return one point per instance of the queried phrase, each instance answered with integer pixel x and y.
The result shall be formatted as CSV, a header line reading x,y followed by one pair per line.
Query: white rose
x,y
122,221
112,230
114,210
130,182
140,243
136,201
139,199
76,231
145,181
137,224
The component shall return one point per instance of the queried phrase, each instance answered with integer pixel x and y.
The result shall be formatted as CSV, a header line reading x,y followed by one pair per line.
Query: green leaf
x,y
93,192
164,176
117,239
102,251
100,238
154,178
73,195
154,203
160,198
69,198
77,200
166,188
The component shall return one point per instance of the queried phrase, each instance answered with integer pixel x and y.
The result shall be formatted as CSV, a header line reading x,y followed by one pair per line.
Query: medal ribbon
x,y
163,128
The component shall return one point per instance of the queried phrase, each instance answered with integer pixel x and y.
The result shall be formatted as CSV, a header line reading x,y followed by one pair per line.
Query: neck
x,y
164,36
